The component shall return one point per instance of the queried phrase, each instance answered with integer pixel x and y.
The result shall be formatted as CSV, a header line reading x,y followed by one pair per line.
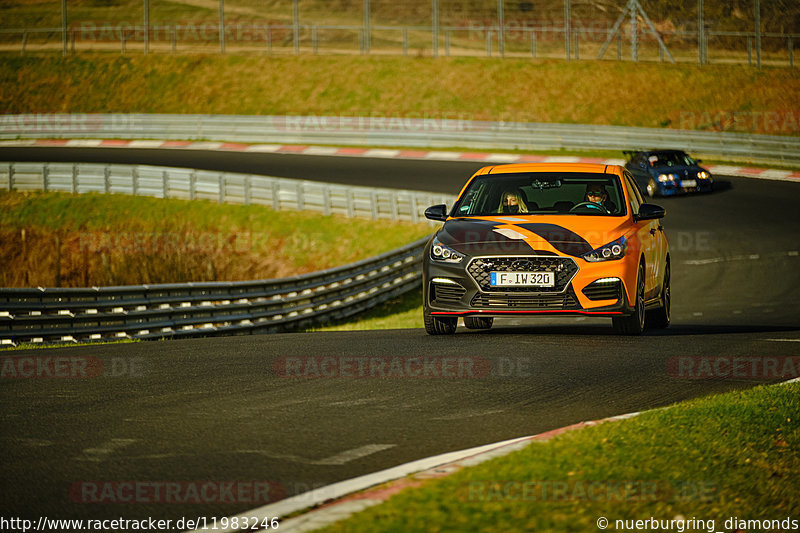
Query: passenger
x,y
596,193
512,203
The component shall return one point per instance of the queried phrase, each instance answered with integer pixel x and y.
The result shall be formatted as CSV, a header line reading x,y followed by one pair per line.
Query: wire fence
x,y
631,30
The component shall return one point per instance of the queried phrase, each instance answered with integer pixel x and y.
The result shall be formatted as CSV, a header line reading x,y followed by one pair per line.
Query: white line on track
x,y
334,460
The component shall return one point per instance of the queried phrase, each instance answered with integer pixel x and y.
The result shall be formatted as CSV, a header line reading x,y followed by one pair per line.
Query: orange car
x,y
547,239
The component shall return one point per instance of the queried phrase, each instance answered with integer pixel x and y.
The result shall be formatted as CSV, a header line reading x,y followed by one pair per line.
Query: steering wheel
x,y
590,205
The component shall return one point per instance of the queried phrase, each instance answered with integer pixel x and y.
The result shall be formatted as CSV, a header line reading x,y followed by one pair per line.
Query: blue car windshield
x,y
670,159
539,193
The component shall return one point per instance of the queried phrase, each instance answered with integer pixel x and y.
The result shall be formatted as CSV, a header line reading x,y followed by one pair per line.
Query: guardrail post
x,y
247,190
10,177
46,177
276,195
192,184
300,199
326,199
165,182
394,202
222,188
374,207
135,180
414,208
350,206
107,179
74,178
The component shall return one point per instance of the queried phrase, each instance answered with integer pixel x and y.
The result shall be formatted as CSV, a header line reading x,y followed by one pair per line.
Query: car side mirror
x,y
437,212
650,212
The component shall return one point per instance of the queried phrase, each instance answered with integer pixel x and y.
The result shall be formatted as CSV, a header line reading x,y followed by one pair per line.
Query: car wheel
x,y
478,322
659,318
633,324
651,189
440,326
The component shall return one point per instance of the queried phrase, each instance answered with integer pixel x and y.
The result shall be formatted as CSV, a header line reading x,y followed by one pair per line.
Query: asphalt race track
x,y
299,411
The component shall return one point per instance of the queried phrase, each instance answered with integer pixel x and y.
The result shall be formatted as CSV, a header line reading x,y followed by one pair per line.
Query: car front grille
x,y
564,269
531,302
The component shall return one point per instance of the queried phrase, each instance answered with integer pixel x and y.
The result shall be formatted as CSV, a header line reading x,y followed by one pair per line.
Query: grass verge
x,y
59,239
715,458
712,97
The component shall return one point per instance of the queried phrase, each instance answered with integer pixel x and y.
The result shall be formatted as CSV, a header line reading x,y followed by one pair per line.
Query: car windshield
x,y
670,159
563,193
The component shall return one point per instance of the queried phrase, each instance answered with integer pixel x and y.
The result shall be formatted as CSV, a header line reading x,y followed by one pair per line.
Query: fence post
x,y
107,179
577,42
165,182
758,32
122,38
447,43
566,29
488,43
533,44
296,27
501,28
435,28
75,178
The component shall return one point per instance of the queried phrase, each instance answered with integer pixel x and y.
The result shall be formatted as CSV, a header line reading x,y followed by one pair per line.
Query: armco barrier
x,y
224,187
400,131
206,309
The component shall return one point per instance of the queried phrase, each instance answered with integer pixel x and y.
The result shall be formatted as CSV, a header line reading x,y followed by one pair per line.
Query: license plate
x,y
522,279
689,183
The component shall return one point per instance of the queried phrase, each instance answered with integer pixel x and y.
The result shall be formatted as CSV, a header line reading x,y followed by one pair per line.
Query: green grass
x,y
120,240
627,94
403,312
729,455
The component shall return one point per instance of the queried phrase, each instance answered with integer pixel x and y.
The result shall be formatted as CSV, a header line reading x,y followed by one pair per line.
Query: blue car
x,y
668,172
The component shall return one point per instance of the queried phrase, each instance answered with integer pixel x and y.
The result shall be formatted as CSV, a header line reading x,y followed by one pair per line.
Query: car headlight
x,y
441,252
667,177
703,175
608,252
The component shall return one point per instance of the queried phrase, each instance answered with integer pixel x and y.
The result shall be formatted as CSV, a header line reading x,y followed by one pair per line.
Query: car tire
x,y
440,326
660,318
478,322
634,323
652,189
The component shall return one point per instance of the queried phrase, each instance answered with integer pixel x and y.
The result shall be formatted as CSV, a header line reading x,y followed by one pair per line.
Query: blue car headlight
x,y
703,175
443,253
667,177
608,252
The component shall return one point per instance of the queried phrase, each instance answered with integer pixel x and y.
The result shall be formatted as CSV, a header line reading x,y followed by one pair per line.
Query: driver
x,y
596,193
512,203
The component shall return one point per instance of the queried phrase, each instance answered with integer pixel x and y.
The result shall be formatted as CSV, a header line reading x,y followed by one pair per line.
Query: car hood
x,y
505,235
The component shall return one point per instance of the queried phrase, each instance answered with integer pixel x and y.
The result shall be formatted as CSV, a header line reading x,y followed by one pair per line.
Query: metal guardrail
x,y
399,131
206,309
224,187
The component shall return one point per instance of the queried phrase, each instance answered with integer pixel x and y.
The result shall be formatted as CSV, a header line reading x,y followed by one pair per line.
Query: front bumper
x,y
672,188
460,290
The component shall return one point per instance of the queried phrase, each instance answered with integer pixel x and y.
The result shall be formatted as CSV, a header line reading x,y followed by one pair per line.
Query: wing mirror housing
x,y
437,212
650,212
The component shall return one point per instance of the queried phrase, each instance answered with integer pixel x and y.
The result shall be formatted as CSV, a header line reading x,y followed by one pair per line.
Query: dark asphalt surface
x,y
223,409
